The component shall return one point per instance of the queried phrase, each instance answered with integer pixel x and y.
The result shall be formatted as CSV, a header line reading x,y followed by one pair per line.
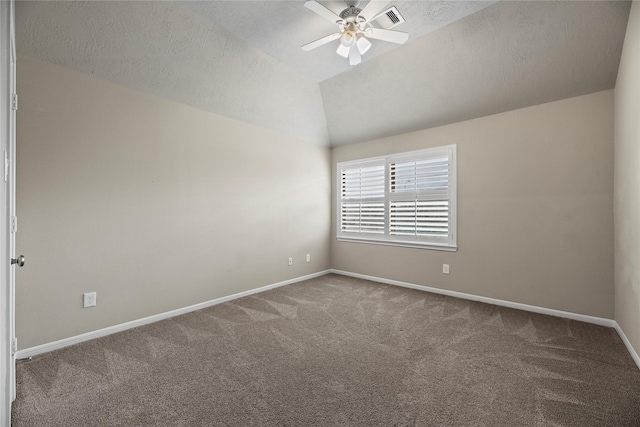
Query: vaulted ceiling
x,y
242,59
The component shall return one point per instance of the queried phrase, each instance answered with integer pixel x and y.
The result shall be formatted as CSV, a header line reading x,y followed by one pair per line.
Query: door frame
x,y
7,209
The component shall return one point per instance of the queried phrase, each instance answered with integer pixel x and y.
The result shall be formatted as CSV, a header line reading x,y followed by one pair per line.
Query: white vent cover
x,y
388,19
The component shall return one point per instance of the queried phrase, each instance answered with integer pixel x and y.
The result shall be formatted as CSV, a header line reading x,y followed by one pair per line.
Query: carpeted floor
x,y
338,351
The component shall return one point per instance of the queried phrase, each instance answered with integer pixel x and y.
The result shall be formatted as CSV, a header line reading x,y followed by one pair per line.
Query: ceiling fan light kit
x,y
355,28
346,39
363,44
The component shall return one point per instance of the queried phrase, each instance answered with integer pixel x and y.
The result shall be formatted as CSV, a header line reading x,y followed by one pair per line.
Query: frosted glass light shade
x,y
363,45
346,39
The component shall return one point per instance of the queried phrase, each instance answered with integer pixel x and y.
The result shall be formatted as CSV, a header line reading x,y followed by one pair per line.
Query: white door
x,y
8,108
11,185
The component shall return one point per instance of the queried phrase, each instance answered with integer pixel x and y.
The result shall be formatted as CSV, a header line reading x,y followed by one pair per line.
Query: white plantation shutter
x,y
363,182
419,218
429,176
407,199
362,207
419,197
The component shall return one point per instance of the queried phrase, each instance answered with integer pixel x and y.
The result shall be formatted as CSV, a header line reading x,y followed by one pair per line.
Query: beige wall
x,y
627,183
157,206
153,204
535,218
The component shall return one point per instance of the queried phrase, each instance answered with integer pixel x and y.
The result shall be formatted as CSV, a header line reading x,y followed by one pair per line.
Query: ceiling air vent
x,y
388,19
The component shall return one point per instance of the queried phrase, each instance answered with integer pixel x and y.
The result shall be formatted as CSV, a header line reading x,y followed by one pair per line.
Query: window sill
x,y
431,246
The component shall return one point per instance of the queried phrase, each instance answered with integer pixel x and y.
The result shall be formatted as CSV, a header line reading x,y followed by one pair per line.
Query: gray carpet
x,y
338,351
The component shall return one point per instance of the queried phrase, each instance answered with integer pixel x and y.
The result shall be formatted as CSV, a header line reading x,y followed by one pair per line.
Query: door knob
x,y
19,261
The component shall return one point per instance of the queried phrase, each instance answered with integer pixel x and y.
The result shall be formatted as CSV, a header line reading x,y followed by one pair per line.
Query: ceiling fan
x,y
354,28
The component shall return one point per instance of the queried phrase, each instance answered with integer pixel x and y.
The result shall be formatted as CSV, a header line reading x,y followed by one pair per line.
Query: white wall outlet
x,y
89,299
445,268
308,257
290,261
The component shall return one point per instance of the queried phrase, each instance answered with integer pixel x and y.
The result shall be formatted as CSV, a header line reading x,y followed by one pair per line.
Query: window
x,y
407,199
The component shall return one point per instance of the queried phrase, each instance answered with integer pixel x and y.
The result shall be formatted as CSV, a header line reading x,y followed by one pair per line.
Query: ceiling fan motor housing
x,y
350,14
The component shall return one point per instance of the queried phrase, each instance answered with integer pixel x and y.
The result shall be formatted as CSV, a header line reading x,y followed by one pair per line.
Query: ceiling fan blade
x,y
321,10
387,35
343,51
320,42
372,9
354,55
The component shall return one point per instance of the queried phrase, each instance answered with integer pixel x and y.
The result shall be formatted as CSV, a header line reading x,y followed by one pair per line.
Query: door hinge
x,y
14,224
14,345
6,167
14,102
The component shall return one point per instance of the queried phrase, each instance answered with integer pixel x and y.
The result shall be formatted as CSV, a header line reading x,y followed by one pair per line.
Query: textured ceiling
x,y
279,28
242,59
508,56
167,50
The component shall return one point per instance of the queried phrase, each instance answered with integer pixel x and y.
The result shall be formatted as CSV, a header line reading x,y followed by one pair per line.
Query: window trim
x,y
448,244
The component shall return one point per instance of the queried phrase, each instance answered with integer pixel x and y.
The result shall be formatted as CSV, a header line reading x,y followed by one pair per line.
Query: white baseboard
x,y
44,348
626,342
535,309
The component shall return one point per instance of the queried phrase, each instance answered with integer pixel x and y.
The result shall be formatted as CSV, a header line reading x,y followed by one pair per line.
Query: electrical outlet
x,y
89,299
308,257
445,268
290,261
